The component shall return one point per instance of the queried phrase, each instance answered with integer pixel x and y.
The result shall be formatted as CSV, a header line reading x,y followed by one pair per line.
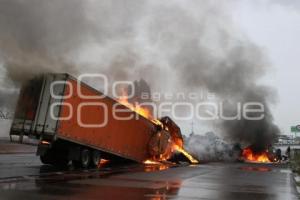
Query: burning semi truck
x,y
74,122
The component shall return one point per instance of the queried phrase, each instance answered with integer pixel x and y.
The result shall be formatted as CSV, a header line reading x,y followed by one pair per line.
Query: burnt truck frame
x,y
62,141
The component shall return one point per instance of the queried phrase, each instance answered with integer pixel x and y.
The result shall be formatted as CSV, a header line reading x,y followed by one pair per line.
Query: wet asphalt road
x,y
23,177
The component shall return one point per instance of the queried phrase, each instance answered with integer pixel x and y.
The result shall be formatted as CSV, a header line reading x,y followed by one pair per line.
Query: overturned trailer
x,y
75,122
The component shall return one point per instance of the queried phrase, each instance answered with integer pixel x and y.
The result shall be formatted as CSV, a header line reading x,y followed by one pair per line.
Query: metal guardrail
x,y
287,144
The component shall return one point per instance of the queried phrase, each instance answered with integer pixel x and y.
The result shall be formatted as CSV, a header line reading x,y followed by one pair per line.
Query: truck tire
x,y
46,160
96,157
50,159
85,158
160,144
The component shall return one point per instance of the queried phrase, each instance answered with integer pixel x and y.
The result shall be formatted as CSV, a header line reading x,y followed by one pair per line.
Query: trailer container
x,y
74,122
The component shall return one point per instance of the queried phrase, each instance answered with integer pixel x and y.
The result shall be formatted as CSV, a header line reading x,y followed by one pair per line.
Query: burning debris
x,y
268,155
210,147
250,156
186,154
172,143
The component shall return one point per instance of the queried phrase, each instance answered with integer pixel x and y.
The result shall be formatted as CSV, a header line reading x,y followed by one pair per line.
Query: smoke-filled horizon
x,y
173,45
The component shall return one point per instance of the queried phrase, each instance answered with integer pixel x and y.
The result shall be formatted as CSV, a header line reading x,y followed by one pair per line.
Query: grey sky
x,y
275,26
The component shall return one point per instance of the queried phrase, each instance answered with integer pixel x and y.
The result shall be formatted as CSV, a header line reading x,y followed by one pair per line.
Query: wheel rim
x,y
96,158
85,158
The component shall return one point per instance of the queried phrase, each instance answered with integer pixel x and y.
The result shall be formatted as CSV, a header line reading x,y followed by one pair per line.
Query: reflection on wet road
x,y
23,177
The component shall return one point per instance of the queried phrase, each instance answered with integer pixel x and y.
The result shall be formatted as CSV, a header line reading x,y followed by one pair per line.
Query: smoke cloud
x,y
210,147
173,45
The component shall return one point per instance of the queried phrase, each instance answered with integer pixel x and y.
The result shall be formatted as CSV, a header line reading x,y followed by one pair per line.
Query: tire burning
x,y
168,139
249,154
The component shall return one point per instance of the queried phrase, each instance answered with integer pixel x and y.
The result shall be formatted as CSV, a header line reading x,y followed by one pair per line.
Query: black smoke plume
x,y
174,45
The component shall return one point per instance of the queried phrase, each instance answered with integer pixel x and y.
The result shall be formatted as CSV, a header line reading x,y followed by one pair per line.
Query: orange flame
x,y
251,156
151,165
102,163
145,112
151,162
186,154
175,148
